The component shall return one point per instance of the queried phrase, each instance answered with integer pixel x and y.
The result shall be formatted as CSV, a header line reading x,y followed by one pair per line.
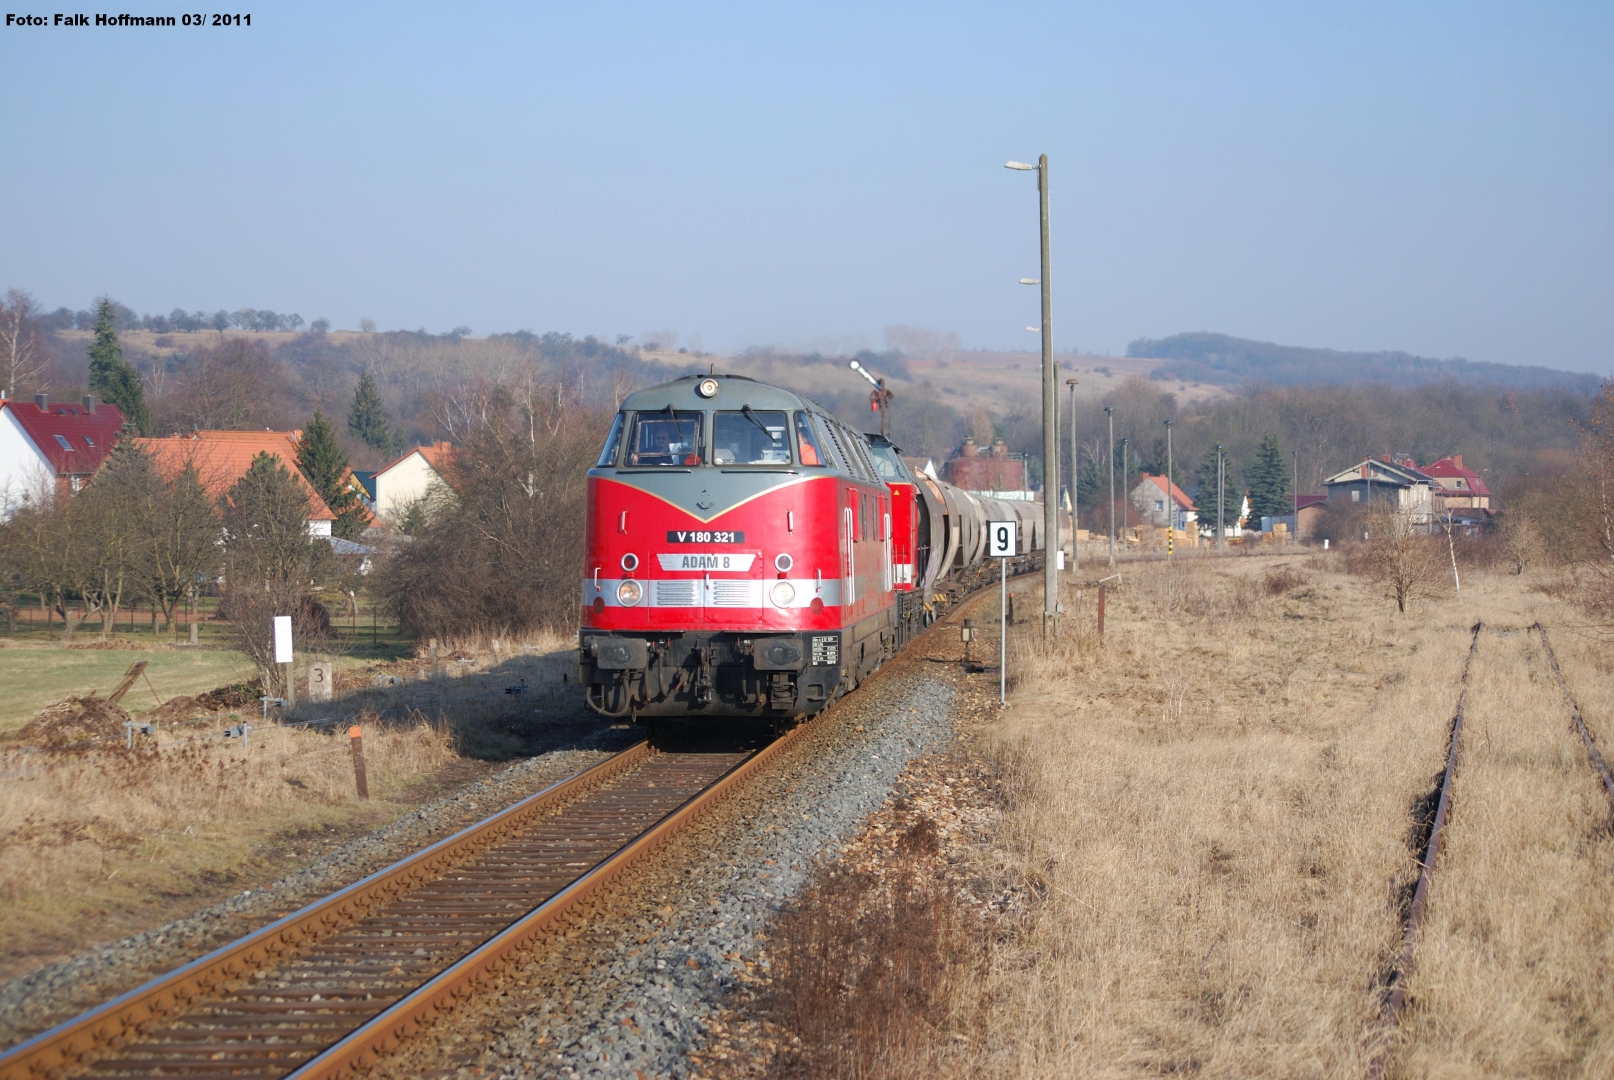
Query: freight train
x,y
749,555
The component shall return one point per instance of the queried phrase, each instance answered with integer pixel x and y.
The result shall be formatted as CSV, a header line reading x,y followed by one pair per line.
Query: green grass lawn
x,y
36,674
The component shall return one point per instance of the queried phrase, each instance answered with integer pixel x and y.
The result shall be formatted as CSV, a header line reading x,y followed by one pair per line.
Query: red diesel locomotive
x,y
750,555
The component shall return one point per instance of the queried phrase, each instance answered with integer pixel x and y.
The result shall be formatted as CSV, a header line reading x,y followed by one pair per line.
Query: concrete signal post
x,y
1002,542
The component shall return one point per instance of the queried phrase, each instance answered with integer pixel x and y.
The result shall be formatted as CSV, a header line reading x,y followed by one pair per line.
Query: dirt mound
x,y
74,719
238,696
183,707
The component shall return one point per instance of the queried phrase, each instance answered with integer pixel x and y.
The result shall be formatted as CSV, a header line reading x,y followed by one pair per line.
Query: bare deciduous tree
x,y
1398,556
22,355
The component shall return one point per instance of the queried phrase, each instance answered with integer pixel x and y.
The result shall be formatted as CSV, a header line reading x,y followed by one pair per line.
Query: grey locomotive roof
x,y
733,392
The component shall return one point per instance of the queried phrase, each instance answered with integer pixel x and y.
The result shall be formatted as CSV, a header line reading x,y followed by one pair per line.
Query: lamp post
x,y
1050,407
1171,501
1109,412
1075,474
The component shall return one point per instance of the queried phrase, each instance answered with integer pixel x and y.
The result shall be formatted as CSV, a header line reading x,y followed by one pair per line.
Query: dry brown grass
x,y
1218,806
87,838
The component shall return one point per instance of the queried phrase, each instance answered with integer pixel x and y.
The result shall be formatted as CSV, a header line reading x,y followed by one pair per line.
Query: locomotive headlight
x,y
783,563
630,592
707,388
782,593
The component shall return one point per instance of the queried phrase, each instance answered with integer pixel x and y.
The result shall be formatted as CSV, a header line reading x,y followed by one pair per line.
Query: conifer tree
x,y
111,376
1268,480
325,467
1205,497
366,419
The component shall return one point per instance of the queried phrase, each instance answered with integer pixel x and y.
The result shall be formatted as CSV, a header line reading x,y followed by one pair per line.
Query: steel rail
x,y
111,1023
1580,725
385,1032
1420,897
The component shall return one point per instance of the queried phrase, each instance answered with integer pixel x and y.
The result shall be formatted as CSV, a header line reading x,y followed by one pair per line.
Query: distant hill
x,y
1222,360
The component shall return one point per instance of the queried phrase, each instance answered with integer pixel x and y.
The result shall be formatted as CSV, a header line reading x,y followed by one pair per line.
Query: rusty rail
x,y
1420,897
111,1024
1580,724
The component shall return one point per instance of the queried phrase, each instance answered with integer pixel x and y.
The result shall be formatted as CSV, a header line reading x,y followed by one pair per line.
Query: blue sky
x,y
1427,177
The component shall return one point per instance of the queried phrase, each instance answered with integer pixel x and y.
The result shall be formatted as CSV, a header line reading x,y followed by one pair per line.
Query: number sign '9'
x,y
1002,539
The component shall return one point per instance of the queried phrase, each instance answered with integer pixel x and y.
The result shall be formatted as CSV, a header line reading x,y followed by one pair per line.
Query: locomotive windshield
x,y
807,442
749,437
886,463
665,438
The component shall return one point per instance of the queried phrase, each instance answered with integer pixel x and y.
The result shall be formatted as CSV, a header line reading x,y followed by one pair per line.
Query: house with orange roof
x,y
408,479
1162,503
223,457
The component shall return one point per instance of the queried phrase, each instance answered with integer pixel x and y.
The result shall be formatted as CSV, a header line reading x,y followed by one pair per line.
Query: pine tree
x,y
325,467
111,376
266,525
366,419
1268,480
1205,497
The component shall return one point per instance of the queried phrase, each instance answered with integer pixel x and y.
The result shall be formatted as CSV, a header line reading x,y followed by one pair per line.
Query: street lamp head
x,y
1030,281
1109,410
1035,329
1019,166
1071,383
1168,423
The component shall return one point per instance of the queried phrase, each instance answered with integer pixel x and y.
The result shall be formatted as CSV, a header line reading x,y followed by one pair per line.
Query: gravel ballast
x,y
36,1001
629,988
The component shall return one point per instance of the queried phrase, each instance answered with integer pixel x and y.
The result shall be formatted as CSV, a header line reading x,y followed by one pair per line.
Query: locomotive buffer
x,y
1002,538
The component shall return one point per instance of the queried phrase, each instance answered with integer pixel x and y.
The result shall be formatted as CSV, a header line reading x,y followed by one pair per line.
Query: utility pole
x,y
1109,412
1171,500
1126,492
1075,473
1220,532
1295,539
1050,408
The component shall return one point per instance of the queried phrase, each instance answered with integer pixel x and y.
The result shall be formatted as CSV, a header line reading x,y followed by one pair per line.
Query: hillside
x,y
1223,360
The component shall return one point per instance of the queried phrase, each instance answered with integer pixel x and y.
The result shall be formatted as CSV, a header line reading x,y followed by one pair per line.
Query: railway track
x,y
326,990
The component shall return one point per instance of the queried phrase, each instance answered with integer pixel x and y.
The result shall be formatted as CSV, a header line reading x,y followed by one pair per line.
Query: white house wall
x,y
401,485
25,472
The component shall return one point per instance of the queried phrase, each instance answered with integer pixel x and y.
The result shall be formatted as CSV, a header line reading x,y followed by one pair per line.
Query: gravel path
x,y
35,1002
627,987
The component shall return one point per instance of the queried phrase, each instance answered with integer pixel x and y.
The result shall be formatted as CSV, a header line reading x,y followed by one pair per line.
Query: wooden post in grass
x,y
1101,589
355,734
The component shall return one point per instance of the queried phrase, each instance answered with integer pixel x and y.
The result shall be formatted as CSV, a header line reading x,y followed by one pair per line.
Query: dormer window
x,y
61,440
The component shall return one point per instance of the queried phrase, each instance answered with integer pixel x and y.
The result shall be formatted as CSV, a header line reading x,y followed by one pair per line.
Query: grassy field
x,y
37,674
1218,807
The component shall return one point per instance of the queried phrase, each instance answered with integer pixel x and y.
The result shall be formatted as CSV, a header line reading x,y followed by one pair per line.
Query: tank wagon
x,y
749,555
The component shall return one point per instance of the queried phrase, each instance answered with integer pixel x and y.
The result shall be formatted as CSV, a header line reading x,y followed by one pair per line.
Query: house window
x,y
75,484
61,440
1356,496
1159,505
89,442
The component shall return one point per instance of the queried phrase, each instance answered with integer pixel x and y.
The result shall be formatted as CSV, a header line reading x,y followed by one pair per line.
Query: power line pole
x,y
1075,473
1109,411
1171,501
1221,533
1295,539
1050,420
1126,492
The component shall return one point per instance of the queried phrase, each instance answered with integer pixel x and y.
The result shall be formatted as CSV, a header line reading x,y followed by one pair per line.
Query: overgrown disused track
x,y
1580,724
326,990
1420,897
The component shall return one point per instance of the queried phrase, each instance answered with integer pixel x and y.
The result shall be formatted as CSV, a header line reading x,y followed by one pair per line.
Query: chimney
x,y
89,404
43,401
1457,460
1000,448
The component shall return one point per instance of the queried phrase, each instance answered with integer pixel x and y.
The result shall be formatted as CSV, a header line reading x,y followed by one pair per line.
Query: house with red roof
x,y
1163,503
223,457
47,446
1457,487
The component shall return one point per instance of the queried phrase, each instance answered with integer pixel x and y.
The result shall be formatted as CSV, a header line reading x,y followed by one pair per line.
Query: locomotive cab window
x,y
664,438
613,443
750,437
807,442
